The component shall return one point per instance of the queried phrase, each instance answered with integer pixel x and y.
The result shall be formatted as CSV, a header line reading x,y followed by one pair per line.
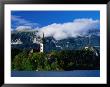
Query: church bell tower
x,y
42,43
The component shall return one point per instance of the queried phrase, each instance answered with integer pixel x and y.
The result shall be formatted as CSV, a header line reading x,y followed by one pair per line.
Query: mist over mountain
x,y
59,36
78,27
70,43
59,31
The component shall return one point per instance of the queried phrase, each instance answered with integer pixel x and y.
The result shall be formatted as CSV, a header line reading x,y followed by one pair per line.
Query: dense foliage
x,y
54,61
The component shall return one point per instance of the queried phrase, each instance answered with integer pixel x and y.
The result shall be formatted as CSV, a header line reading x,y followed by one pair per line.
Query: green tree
x,y
21,62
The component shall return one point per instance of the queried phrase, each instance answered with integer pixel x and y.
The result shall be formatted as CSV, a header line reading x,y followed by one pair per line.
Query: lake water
x,y
74,73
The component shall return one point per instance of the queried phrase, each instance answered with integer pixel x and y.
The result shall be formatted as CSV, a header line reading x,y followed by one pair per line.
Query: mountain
x,y
71,43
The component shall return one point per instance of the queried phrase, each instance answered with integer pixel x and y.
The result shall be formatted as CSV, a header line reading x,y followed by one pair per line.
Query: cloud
x,y
19,21
77,27
23,28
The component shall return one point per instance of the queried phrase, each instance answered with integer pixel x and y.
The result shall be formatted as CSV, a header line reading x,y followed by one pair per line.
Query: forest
x,y
64,60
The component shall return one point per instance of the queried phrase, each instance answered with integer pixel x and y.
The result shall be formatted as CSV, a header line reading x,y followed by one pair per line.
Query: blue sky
x,y
45,18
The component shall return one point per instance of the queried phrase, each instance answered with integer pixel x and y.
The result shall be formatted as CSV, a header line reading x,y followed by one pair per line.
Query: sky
x,y
44,18
56,23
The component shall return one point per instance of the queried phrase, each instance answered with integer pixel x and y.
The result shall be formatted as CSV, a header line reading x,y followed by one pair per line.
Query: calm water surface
x,y
74,73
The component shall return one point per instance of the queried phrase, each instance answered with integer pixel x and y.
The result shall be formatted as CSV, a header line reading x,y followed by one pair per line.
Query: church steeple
x,y
39,39
42,43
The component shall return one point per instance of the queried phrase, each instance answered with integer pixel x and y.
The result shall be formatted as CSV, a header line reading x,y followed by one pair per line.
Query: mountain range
x,y
50,43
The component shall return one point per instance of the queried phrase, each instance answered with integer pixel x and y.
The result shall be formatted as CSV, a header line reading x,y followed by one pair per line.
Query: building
x,y
42,43
41,47
17,41
39,39
92,48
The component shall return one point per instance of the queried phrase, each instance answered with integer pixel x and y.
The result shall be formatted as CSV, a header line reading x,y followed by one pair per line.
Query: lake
x,y
74,73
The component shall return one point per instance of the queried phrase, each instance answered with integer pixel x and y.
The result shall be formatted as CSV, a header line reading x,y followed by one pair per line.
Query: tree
x,y
21,62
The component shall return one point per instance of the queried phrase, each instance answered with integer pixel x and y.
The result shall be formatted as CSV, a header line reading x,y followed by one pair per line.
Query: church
x,y
39,39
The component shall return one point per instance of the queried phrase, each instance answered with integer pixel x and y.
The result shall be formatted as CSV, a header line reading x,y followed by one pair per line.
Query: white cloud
x,y
23,28
78,27
71,29
18,19
22,22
